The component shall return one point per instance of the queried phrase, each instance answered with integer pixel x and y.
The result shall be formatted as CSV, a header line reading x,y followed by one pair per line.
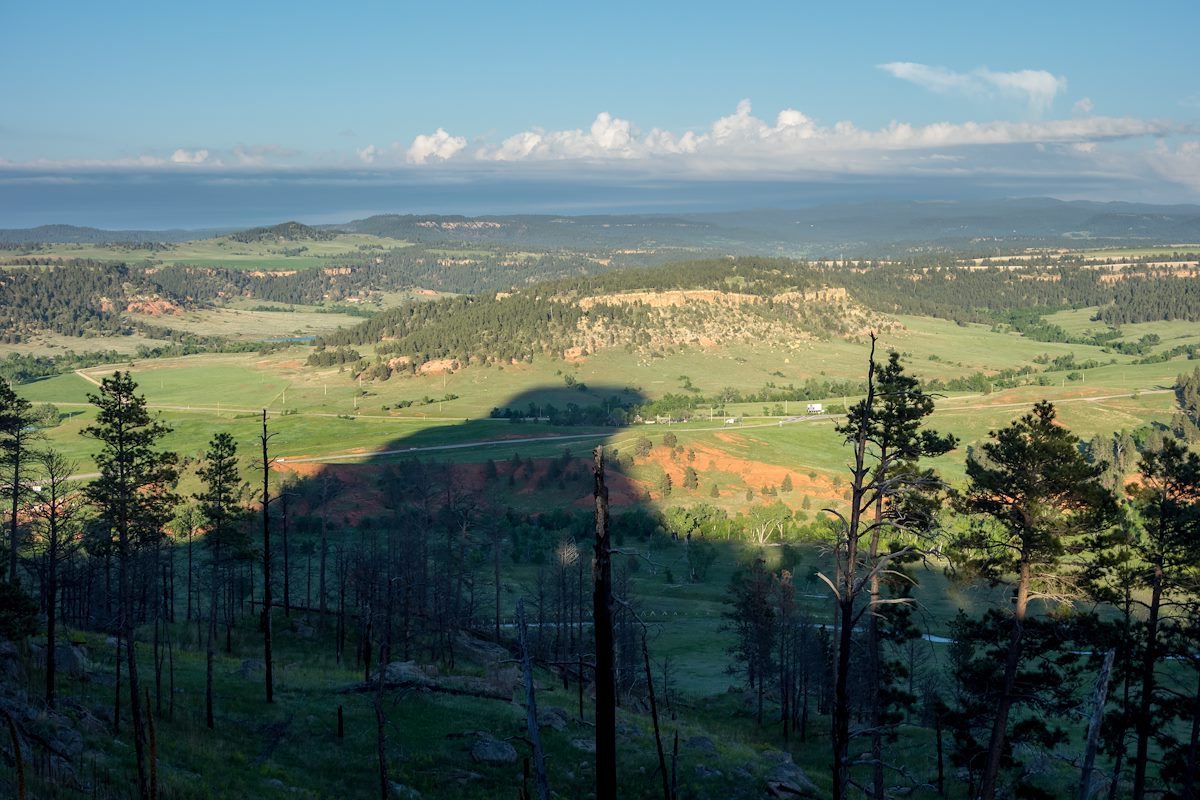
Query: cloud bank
x,y
745,146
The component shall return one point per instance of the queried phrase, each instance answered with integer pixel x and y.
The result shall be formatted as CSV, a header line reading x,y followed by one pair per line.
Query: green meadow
x,y
225,252
322,414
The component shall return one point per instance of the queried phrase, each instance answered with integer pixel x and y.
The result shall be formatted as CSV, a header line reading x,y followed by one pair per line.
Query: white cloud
x,y
742,144
1033,87
742,140
608,137
1178,165
182,156
1083,105
367,154
438,145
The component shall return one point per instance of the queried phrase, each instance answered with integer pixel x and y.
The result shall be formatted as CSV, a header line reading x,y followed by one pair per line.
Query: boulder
x,y
462,776
68,741
704,772
71,659
479,650
628,730
553,718
490,750
784,778
503,678
399,790
403,672
584,745
702,745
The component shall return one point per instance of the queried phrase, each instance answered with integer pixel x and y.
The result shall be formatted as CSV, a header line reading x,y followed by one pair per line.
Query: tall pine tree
x,y
134,496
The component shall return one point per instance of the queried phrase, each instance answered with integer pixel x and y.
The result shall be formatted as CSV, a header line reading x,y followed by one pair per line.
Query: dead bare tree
x,y
268,669
58,514
531,720
602,622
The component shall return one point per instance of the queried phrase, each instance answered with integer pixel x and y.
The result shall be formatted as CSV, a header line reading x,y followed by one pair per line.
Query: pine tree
x,y
219,502
1038,505
1186,423
888,492
1167,549
58,517
690,479
16,417
134,497
753,622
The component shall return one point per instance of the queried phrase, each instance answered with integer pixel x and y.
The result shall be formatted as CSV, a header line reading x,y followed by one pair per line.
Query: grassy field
x,y
48,343
223,251
1139,252
1079,322
322,414
248,325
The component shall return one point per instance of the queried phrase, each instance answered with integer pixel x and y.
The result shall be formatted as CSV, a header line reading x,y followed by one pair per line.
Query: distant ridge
x,y
876,228
869,228
75,234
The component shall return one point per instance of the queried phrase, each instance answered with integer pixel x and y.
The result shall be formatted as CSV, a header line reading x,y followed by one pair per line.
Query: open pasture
x,y
221,251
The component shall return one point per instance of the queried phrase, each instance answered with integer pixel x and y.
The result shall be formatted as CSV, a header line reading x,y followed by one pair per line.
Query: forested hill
x,y
1124,294
283,232
696,302
760,299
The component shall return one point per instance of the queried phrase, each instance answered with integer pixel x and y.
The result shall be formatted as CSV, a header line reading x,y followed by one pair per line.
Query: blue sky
x,y
1098,100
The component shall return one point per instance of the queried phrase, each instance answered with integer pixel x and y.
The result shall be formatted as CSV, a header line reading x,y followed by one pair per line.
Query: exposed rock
x,y
274,783
403,792
490,750
68,741
479,650
553,718
503,678
704,772
628,730
462,776
12,672
403,672
702,745
71,659
786,779
586,745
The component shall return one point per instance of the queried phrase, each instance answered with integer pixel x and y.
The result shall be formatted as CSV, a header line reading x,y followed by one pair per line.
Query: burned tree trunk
x,y
602,615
